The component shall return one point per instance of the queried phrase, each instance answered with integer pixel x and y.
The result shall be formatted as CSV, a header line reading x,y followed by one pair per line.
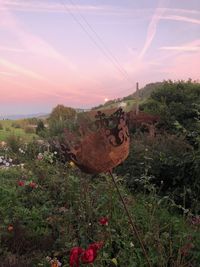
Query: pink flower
x,y
32,184
103,221
20,183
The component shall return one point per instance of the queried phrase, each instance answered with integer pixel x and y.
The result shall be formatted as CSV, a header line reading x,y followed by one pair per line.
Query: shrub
x,y
29,130
13,142
64,209
16,125
168,160
1,126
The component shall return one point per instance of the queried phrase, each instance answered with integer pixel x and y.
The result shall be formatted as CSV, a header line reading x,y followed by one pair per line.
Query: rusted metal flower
x,y
101,145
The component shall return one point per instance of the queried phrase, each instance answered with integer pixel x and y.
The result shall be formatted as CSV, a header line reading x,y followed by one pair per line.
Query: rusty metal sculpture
x,y
101,148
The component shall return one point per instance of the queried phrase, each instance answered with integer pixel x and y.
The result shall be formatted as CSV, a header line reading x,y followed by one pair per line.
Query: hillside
x,y
129,102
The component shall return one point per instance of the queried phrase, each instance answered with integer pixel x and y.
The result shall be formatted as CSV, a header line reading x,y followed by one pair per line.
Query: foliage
x,y
168,160
13,130
29,129
60,118
178,105
40,127
13,142
63,210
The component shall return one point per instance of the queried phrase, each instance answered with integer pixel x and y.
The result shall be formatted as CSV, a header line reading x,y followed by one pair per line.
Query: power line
x,y
101,47
100,39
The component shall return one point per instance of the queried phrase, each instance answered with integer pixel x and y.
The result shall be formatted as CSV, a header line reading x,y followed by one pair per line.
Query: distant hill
x,y
22,116
144,92
130,101
127,102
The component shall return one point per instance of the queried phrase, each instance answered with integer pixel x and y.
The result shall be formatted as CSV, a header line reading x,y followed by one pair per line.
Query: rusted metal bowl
x,y
102,149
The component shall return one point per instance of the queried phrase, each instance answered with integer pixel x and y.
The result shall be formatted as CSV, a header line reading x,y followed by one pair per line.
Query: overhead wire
x,y
100,39
102,47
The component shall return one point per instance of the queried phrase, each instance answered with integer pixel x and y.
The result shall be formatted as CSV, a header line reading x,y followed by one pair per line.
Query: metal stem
x,y
133,226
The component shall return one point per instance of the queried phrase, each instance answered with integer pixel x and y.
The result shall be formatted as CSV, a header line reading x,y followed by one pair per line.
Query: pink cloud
x,y
181,18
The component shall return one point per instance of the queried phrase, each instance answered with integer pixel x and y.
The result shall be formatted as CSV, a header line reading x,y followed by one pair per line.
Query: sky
x,y
80,52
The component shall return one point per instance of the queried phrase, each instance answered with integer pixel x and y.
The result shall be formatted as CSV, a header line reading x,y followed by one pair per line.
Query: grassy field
x,y
8,130
130,104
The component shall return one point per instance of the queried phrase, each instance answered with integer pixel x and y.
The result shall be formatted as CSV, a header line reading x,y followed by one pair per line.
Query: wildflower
x,y
72,164
40,156
195,221
103,221
48,258
20,183
55,263
7,164
10,228
90,254
114,261
32,184
74,256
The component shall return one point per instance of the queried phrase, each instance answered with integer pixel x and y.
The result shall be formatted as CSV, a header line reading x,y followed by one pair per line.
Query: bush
x,y
1,126
14,143
16,125
29,130
166,160
63,211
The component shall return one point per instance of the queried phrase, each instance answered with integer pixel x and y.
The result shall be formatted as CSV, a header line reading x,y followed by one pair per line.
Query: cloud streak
x,y
181,18
152,28
11,49
4,73
181,48
43,6
16,68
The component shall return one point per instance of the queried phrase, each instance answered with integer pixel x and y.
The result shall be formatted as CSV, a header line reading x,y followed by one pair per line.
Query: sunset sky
x,y
79,52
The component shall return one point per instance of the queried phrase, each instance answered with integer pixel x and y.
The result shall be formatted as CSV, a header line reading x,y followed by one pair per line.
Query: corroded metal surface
x,y
100,146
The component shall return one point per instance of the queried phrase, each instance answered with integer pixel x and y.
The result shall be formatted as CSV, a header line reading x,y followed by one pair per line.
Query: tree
x,y
62,113
61,117
177,104
40,127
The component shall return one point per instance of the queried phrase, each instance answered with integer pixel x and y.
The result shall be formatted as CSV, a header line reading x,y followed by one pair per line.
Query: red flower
x,y
86,256
96,245
21,183
32,184
103,221
90,254
74,256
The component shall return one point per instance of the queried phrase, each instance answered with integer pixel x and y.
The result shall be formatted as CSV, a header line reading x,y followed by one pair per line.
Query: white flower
x,y
55,152
1,160
10,160
7,164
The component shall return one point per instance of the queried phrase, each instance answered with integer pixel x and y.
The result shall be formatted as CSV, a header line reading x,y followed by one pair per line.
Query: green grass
x,y
130,104
9,130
